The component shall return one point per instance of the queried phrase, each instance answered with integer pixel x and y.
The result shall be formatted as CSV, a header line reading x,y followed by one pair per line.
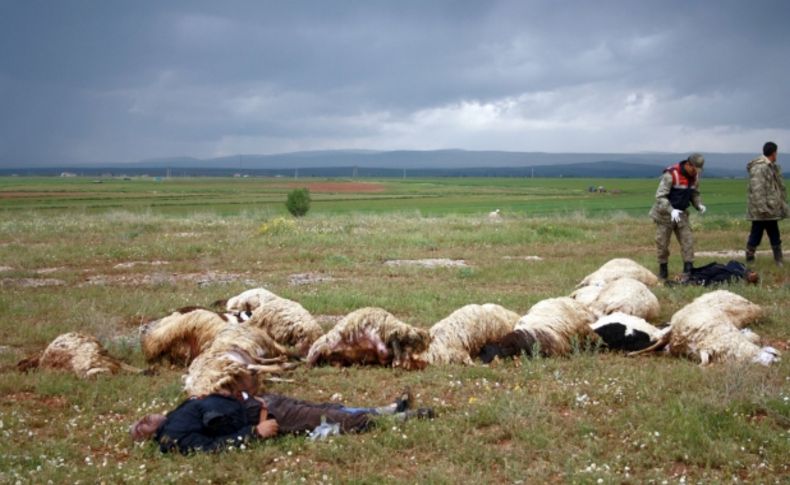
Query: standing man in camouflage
x,y
767,202
678,188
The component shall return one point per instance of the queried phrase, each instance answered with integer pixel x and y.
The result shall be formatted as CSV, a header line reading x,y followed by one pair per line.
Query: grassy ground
x,y
591,418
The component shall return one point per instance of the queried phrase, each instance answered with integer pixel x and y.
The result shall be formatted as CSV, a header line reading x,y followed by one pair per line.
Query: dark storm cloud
x,y
117,80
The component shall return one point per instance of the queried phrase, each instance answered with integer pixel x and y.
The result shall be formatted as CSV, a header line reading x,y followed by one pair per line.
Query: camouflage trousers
x,y
682,231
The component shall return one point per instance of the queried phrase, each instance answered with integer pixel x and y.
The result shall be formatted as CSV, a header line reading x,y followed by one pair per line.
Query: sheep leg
x,y
132,369
271,360
268,369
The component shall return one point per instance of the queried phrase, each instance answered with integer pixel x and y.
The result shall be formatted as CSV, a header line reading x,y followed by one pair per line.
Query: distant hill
x,y
436,159
577,170
369,163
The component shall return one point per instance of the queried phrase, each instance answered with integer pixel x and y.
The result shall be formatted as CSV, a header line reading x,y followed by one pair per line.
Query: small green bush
x,y
298,202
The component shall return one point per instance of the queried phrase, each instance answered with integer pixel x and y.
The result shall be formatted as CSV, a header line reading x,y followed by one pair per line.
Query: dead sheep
x,y
552,327
78,353
740,311
458,338
620,268
249,346
249,300
586,295
215,372
182,335
708,335
255,341
621,331
626,295
288,322
371,336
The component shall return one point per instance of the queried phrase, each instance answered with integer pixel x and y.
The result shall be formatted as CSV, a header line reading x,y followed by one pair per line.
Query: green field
x,y
591,418
427,196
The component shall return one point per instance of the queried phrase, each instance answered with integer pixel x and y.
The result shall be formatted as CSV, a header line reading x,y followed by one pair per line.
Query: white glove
x,y
702,209
676,215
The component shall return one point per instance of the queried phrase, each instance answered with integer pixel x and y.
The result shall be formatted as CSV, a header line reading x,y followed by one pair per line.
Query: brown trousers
x,y
295,416
682,230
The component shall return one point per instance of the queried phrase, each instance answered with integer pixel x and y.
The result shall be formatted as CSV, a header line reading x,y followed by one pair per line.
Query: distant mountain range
x,y
367,163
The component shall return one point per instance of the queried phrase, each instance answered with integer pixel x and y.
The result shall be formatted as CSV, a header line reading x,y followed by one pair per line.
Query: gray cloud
x,y
121,81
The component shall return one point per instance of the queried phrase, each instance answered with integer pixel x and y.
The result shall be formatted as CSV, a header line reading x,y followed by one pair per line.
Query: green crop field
x,y
426,196
101,256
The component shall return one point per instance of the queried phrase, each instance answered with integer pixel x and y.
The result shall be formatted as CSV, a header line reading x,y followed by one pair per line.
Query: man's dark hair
x,y
769,148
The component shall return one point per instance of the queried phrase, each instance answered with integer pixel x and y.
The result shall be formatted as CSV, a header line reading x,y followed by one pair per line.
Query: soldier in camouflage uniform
x,y
678,188
767,202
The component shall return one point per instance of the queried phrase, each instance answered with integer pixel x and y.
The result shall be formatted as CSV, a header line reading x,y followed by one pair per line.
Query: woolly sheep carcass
x,y
236,350
626,295
371,336
707,334
458,338
78,353
288,322
182,335
551,326
740,311
620,268
249,300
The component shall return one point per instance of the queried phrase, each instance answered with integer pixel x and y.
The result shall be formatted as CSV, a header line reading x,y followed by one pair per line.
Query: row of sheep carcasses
x,y
610,309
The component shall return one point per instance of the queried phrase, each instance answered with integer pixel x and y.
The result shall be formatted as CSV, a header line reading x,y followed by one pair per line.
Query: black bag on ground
x,y
715,273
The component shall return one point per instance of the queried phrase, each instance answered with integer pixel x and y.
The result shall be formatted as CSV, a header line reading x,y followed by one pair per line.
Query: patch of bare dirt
x,y
6,268
733,253
523,258
344,187
31,282
132,264
299,279
47,270
428,263
201,279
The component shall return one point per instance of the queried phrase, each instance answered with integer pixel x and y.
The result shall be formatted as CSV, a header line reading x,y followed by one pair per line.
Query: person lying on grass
x,y
235,415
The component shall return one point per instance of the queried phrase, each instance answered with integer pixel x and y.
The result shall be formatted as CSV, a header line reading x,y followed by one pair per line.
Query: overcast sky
x,y
107,80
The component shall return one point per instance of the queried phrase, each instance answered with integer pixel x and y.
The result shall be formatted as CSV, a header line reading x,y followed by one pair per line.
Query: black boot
x,y
750,253
687,267
663,271
778,256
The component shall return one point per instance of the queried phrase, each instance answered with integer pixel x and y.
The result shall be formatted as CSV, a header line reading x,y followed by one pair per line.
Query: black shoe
x,y
663,271
750,250
403,401
778,255
688,267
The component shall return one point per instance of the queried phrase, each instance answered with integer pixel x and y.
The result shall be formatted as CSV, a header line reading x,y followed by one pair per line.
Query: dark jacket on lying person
x,y
215,422
206,424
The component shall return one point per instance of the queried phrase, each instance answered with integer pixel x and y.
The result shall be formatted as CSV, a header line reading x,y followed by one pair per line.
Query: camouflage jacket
x,y
662,209
767,194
